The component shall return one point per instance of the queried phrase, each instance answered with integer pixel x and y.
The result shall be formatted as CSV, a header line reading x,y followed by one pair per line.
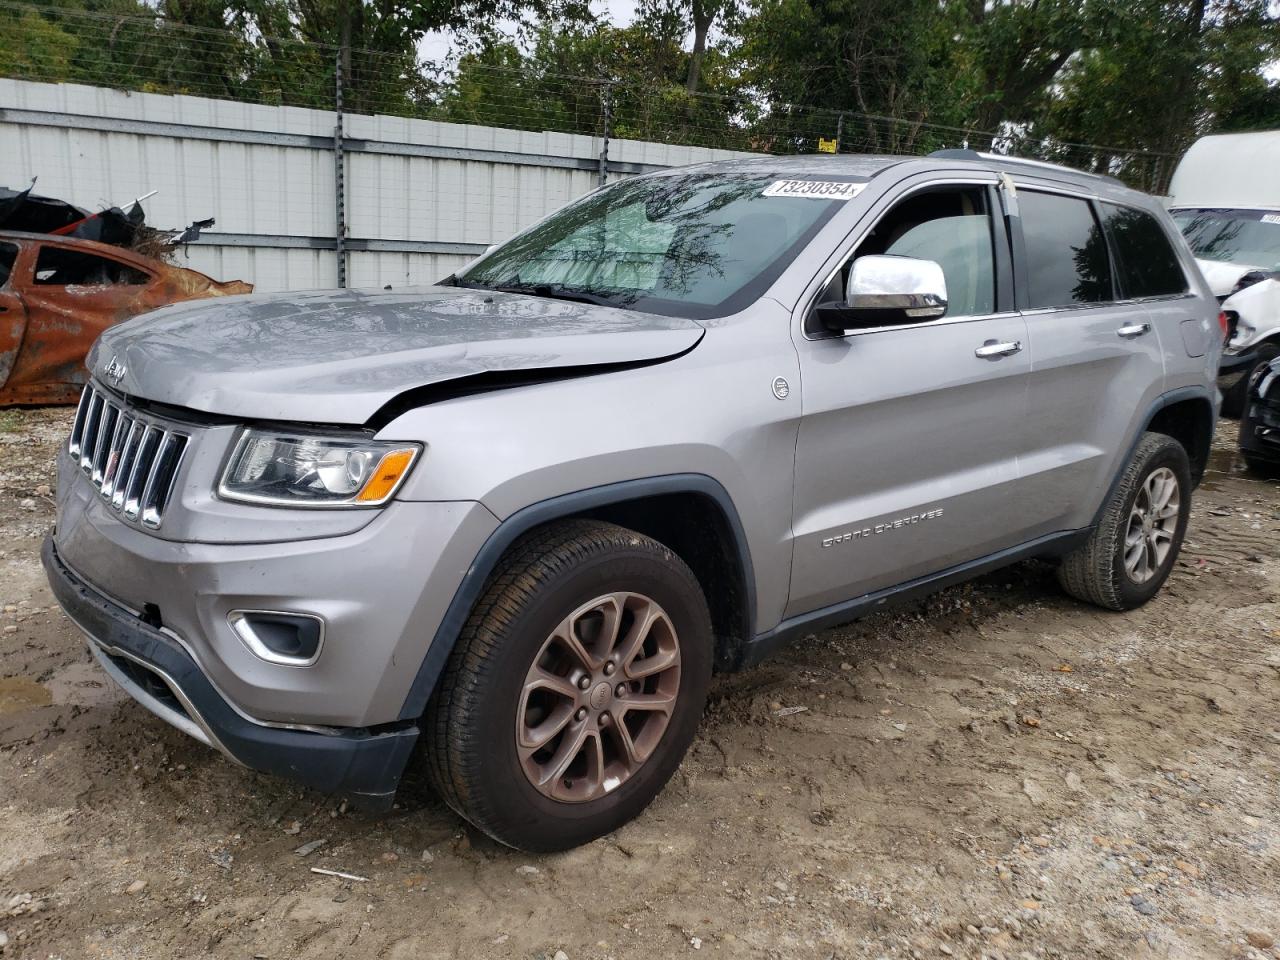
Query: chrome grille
x,y
132,461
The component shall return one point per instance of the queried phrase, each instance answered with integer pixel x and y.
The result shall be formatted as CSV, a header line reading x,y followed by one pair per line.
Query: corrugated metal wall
x,y
423,198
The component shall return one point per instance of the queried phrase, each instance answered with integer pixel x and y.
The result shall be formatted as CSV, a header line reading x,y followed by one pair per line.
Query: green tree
x,y
869,58
1178,69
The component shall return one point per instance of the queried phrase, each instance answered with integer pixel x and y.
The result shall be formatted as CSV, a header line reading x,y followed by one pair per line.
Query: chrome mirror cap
x,y
881,286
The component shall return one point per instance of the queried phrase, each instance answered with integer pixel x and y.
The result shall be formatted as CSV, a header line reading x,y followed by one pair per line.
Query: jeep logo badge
x,y
114,371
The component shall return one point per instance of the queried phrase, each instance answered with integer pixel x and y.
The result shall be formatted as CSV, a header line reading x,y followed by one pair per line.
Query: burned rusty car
x,y
57,294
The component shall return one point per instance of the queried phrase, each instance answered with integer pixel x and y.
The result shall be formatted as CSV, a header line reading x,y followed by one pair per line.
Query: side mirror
x,y
884,291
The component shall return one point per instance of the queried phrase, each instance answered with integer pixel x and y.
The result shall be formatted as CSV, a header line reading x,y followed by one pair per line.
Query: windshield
x,y
696,245
1250,238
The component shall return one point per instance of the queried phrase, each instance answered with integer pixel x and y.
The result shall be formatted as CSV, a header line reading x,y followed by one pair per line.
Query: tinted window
x,y
1146,261
8,254
1067,259
56,266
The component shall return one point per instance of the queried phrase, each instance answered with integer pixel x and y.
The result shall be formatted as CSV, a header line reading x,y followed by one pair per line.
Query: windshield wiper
x,y
557,292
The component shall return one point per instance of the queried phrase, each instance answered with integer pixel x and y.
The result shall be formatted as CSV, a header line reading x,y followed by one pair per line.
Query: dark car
x,y
1260,423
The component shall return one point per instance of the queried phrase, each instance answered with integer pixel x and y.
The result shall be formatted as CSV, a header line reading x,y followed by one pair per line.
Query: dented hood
x,y
338,356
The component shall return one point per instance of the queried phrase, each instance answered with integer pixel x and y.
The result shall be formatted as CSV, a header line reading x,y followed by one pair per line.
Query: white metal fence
x,y
421,197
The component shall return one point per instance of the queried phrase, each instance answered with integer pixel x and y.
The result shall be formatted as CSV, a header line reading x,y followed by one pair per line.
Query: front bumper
x,y
380,590
157,672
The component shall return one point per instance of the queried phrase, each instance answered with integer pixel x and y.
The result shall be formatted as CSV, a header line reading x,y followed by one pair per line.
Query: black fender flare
x,y
546,511
1160,402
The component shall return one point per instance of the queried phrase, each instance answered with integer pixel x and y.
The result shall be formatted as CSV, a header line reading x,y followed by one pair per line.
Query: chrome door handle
x,y
993,349
1133,330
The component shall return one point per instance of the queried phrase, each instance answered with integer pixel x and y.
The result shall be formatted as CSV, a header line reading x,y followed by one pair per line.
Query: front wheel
x,y
575,688
1131,551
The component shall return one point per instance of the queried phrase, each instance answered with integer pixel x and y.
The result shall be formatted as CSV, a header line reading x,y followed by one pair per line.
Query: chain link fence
x,y
156,55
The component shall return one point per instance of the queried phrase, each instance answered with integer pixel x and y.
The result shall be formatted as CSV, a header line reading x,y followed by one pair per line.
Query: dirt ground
x,y
1000,773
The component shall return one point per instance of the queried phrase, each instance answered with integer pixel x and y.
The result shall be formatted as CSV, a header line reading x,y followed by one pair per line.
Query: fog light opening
x,y
288,639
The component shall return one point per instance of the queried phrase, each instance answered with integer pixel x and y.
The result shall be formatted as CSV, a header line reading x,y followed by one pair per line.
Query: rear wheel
x,y
1129,554
575,688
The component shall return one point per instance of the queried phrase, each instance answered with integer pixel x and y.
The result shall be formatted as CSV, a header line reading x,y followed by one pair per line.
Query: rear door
x,y
1153,274
1096,360
905,456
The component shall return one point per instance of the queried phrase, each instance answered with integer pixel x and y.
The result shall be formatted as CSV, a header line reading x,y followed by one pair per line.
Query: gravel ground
x,y
1001,772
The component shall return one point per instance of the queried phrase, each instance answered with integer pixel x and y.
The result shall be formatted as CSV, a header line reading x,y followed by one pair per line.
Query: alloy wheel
x,y
598,697
1152,524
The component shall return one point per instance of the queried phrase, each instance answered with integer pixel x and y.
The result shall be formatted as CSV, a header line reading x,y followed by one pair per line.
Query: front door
x,y
906,450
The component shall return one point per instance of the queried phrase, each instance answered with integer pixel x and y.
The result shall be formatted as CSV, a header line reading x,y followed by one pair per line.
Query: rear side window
x,y
1067,259
59,267
1146,260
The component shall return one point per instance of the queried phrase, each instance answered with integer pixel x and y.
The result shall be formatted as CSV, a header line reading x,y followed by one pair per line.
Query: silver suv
x,y
506,527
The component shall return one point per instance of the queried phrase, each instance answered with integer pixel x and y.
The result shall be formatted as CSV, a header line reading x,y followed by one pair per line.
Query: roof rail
x,y
957,154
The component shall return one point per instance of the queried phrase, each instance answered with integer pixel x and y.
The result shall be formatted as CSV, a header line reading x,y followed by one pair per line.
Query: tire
x,y
490,693
1235,399
1263,468
1096,571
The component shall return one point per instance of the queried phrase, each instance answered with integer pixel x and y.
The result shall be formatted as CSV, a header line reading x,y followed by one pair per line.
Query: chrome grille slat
x,y
112,467
137,482
106,425
163,474
154,480
131,461
89,438
77,427
128,460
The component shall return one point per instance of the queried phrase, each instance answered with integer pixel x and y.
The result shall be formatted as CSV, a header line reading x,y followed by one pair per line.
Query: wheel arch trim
x,y
1160,403
547,511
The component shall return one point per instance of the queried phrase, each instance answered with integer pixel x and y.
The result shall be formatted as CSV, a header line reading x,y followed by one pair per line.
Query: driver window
x,y
950,226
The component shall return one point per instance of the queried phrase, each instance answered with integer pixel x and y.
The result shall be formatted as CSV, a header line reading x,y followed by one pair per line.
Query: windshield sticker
x,y
1271,218
814,189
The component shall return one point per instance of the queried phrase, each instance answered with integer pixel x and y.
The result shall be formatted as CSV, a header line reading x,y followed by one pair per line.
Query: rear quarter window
x,y
1146,260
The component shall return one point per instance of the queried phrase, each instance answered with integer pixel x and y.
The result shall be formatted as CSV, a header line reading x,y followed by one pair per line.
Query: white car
x,y
1226,199
1239,255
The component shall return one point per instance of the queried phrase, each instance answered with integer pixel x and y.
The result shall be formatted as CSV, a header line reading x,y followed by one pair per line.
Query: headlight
x,y
295,470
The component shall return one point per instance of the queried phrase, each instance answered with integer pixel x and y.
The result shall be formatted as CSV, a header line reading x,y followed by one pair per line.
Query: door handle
x,y
994,350
1133,330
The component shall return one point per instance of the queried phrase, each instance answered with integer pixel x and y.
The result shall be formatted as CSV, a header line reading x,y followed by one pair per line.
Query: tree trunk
x,y
703,15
